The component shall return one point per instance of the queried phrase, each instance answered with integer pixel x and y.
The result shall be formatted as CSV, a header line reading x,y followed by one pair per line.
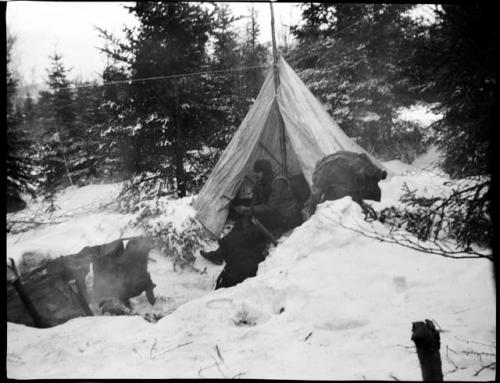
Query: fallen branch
x,y
33,221
408,243
413,348
485,367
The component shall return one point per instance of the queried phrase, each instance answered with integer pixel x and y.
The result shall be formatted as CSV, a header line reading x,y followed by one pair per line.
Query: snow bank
x,y
398,167
327,303
70,236
80,220
429,160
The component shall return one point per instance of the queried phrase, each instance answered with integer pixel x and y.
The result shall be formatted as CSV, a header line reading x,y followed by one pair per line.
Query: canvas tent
x,y
286,125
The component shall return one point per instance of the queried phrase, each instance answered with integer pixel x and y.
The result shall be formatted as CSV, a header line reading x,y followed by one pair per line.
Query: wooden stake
x,y
427,341
281,124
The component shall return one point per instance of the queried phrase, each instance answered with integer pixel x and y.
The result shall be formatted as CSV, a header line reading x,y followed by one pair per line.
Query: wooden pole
x,y
25,298
276,86
275,51
427,341
77,290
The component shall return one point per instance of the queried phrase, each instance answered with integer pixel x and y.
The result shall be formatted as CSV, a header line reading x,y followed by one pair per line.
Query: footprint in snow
x,y
342,324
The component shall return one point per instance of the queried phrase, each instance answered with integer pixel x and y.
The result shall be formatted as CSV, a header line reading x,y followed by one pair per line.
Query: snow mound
x,y
77,199
327,303
70,236
398,167
430,160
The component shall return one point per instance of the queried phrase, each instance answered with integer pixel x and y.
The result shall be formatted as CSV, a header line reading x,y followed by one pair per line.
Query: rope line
x,y
130,81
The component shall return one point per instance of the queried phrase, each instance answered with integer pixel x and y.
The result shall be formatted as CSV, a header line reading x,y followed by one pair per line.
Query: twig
x,y
412,348
204,368
218,353
218,367
451,360
393,377
137,352
438,326
412,245
308,336
492,345
33,222
152,348
472,352
484,367
173,348
238,375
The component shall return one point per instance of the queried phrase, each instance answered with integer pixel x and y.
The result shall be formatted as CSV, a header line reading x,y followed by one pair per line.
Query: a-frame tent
x,y
287,125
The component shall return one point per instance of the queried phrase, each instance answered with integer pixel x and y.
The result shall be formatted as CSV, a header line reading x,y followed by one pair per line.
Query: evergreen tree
x,y
348,54
224,89
89,122
164,118
60,136
253,54
452,63
115,143
18,165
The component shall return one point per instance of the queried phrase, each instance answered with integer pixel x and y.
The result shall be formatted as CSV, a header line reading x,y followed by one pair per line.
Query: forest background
x,y
365,62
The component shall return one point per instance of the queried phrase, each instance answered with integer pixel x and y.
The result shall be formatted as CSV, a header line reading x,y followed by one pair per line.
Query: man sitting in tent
x,y
273,205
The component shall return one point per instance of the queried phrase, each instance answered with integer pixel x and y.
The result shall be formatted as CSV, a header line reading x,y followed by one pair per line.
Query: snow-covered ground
x,y
327,303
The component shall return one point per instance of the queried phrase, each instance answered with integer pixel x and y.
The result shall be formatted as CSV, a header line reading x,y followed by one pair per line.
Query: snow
x,y
421,114
327,303
429,160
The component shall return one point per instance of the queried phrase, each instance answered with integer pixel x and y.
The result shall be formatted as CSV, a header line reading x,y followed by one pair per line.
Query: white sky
x,y
41,27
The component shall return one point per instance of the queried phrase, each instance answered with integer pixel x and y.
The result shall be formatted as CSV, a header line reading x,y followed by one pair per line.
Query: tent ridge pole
x,y
276,87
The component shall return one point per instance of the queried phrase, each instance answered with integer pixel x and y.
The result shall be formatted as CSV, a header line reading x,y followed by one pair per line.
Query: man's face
x,y
259,176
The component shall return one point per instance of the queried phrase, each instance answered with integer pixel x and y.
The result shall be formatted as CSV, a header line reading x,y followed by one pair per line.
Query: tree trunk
x,y
63,148
427,341
180,174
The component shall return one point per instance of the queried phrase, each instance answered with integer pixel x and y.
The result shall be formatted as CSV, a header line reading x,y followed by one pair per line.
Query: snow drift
x,y
327,303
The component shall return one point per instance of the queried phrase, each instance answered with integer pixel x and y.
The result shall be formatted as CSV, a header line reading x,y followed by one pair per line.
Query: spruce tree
x,y
164,118
349,56
18,165
115,141
89,122
253,54
452,63
60,136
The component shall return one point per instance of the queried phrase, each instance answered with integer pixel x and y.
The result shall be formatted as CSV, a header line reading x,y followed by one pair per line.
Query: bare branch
x,y
403,239
485,367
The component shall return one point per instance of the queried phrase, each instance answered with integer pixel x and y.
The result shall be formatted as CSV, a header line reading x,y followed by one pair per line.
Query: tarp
x,y
310,134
